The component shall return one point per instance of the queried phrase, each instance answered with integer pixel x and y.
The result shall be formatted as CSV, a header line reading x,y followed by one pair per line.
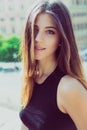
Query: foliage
x,y
9,48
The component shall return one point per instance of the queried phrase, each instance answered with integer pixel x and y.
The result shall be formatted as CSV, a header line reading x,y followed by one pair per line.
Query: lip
x,y
39,48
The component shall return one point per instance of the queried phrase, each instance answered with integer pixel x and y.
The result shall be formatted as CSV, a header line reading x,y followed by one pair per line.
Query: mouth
x,y
39,48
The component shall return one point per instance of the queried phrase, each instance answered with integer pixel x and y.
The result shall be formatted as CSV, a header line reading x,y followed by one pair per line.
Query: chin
x,y
38,58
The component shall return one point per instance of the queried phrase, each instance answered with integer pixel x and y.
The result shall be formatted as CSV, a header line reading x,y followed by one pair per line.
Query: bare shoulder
x,y
70,92
72,99
69,84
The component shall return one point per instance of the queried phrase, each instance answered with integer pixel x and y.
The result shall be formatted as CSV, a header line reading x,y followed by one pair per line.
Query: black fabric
x,y
42,112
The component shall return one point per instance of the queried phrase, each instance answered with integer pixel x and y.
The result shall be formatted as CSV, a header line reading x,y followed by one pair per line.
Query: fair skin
x,y
72,99
46,43
71,95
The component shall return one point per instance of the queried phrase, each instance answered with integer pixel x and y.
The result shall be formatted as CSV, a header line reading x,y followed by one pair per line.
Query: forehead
x,y
45,19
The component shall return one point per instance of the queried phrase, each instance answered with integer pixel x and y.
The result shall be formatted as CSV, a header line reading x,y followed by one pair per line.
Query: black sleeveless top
x,y
42,112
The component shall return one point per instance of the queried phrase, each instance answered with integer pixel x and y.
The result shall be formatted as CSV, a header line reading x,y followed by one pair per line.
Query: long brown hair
x,y
67,56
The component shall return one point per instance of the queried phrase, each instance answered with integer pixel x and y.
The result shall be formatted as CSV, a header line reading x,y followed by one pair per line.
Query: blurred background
x,y
13,15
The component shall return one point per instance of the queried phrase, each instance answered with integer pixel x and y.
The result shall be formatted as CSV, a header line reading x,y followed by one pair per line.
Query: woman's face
x,y
46,37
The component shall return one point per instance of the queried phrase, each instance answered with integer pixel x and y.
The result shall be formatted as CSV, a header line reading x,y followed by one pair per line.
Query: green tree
x,y
9,48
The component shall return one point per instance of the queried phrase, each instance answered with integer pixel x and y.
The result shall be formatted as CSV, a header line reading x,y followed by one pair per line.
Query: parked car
x,y
10,67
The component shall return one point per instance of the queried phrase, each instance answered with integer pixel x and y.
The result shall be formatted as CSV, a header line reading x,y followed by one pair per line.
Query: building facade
x,y
78,10
12,16
14,12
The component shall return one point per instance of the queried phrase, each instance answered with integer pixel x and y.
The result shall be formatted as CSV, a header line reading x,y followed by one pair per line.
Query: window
x,y
11,7
13,30
77,2
1,8
22,7
2,19
12,19
81,26
3,29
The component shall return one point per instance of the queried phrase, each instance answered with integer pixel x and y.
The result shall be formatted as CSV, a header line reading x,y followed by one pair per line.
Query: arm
x,y
23,127
72,99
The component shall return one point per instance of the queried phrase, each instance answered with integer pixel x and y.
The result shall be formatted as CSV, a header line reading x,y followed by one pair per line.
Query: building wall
x,y
14,12
12,16
78,10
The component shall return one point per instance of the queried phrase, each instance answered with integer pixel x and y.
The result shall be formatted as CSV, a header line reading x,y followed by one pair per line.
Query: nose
x,y
39,37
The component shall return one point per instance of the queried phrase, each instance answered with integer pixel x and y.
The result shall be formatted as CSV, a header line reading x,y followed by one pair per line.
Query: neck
x,y
45,67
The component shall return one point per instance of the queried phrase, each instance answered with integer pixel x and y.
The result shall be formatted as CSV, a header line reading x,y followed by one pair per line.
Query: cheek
x,y
52,40
54,47
53,44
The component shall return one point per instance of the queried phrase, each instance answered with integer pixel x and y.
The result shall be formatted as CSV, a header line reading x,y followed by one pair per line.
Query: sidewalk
x,y
9,119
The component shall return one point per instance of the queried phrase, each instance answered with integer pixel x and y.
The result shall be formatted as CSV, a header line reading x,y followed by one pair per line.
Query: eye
x,y
50,32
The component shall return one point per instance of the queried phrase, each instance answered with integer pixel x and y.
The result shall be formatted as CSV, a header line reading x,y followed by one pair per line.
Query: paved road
x,y
9,119
10,88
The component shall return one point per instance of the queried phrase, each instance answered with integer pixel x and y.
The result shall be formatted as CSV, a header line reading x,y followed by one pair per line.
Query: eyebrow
x,y
47,27
51,27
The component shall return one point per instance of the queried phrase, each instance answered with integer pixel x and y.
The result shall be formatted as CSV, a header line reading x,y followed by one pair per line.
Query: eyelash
x,y
50,32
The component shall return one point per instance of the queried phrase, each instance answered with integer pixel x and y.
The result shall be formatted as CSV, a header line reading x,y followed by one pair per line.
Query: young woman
x,y
54,95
